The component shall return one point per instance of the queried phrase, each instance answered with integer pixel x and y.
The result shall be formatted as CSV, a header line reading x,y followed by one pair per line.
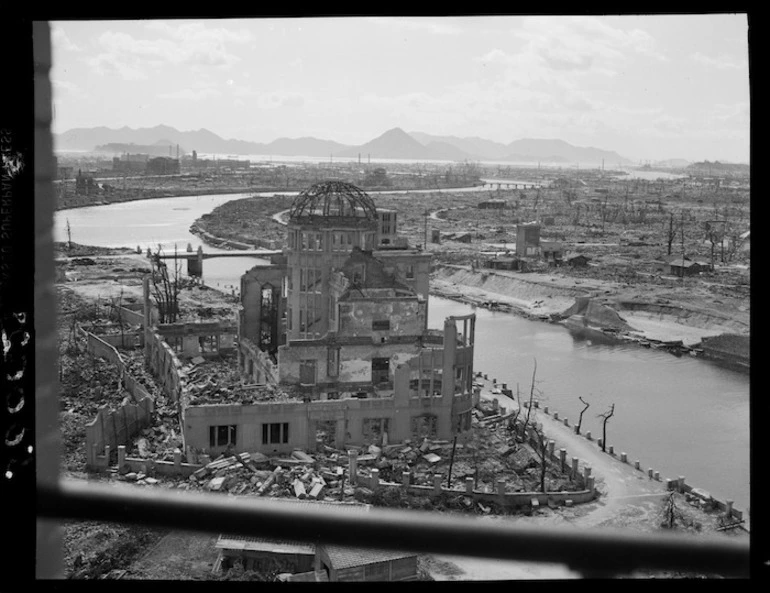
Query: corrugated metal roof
x,y
344,557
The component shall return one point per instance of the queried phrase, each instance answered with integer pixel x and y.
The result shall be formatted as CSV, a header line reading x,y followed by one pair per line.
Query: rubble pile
x,y
219,381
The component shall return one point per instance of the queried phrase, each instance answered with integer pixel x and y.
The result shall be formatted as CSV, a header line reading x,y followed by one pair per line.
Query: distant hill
x,y
561,151
159,148
476,148
393,144
672,163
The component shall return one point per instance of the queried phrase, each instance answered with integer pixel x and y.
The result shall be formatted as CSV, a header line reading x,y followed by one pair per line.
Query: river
x,y
681,416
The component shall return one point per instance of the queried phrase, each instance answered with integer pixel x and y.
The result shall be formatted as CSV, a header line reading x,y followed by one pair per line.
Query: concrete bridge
x,y
195,258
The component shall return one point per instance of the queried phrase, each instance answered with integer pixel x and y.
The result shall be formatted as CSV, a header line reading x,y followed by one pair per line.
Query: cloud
x,y
720,62
66,87
60,41
191,94
431,25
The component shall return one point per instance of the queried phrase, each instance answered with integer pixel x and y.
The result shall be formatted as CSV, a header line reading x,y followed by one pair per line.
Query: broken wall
x,y
116,427
405,317
164,365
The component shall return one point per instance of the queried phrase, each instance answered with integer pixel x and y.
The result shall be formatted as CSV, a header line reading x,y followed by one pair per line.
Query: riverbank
x,y
600,309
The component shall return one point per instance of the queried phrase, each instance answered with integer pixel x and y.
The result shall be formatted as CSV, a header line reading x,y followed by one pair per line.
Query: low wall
x,y
678,484
151,467
126,340
165,366
112,428
130,316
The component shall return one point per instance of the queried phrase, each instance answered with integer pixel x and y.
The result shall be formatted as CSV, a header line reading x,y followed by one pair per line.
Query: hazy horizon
x,y
649,87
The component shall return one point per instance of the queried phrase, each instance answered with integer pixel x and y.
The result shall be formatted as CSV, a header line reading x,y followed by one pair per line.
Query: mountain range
x,y
393,144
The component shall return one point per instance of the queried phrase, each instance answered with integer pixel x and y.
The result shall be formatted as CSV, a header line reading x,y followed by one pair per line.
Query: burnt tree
x,y
606,416
580,420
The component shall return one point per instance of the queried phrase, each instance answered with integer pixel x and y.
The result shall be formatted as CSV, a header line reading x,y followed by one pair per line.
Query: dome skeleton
x,y
333,199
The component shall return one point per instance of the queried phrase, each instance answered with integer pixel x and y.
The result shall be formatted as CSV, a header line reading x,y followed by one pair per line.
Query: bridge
x,y
195,258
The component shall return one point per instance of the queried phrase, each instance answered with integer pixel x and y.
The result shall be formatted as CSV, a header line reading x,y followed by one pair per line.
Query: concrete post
x,y
437,479
577,429
545,409
469,485
680,484
107,455
590,483
566,422
649,473
729,508
501,487
495,405
551,447
121,456
177,459
406,479
586,471
637,464
624,458
574,472
537,404
556,415
563,459
599,442
612,450
374,480
353,466
656,476
588,435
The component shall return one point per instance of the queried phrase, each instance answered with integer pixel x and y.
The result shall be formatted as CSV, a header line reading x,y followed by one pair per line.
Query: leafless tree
x,y
671,232
671,514
580,420
540,447
606,416
531,405
165,289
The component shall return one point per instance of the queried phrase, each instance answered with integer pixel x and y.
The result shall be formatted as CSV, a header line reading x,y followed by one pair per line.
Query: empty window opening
x,y
275,433
380,370
381,325
425,425
221,436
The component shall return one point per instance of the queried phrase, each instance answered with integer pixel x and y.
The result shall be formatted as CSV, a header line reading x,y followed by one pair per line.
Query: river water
x,y
680,416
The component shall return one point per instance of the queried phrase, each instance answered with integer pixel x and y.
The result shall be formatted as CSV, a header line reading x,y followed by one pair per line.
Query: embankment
x,y
523,294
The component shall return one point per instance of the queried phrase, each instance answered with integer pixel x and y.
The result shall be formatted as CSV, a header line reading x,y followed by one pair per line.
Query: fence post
x,y
574,473
563,459
501,488
437,479
406,478
177,460
469,485
121,456
374,480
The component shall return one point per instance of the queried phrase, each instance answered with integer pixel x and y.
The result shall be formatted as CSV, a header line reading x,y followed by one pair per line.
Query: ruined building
x,y
341,315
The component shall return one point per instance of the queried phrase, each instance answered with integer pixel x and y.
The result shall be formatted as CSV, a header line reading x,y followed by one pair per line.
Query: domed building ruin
x,y
342,316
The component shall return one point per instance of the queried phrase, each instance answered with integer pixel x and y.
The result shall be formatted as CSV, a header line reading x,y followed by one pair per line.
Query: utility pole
x,y
426,229
682,225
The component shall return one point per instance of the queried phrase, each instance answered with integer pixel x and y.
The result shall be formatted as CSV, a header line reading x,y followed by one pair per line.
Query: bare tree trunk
x,y
580,420
531,400
606,416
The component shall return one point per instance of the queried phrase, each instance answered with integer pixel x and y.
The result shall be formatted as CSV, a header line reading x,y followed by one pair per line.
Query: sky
x,y
650,87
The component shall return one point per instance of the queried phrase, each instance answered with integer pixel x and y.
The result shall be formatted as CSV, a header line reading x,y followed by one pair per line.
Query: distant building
x,y
162,165
676,265
552,251
528,239
493,204
578,260
130,163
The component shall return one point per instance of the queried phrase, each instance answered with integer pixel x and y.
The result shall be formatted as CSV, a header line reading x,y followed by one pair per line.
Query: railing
x,y
591,553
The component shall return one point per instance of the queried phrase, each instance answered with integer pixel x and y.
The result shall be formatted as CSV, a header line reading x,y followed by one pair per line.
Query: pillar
x,y
353,466
556,415
612,450
637,464
649,473
469,485
563,459
574,468
624,458
437,479
656,476
551,447
374,480
590,483
501,487
406,479
121,456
